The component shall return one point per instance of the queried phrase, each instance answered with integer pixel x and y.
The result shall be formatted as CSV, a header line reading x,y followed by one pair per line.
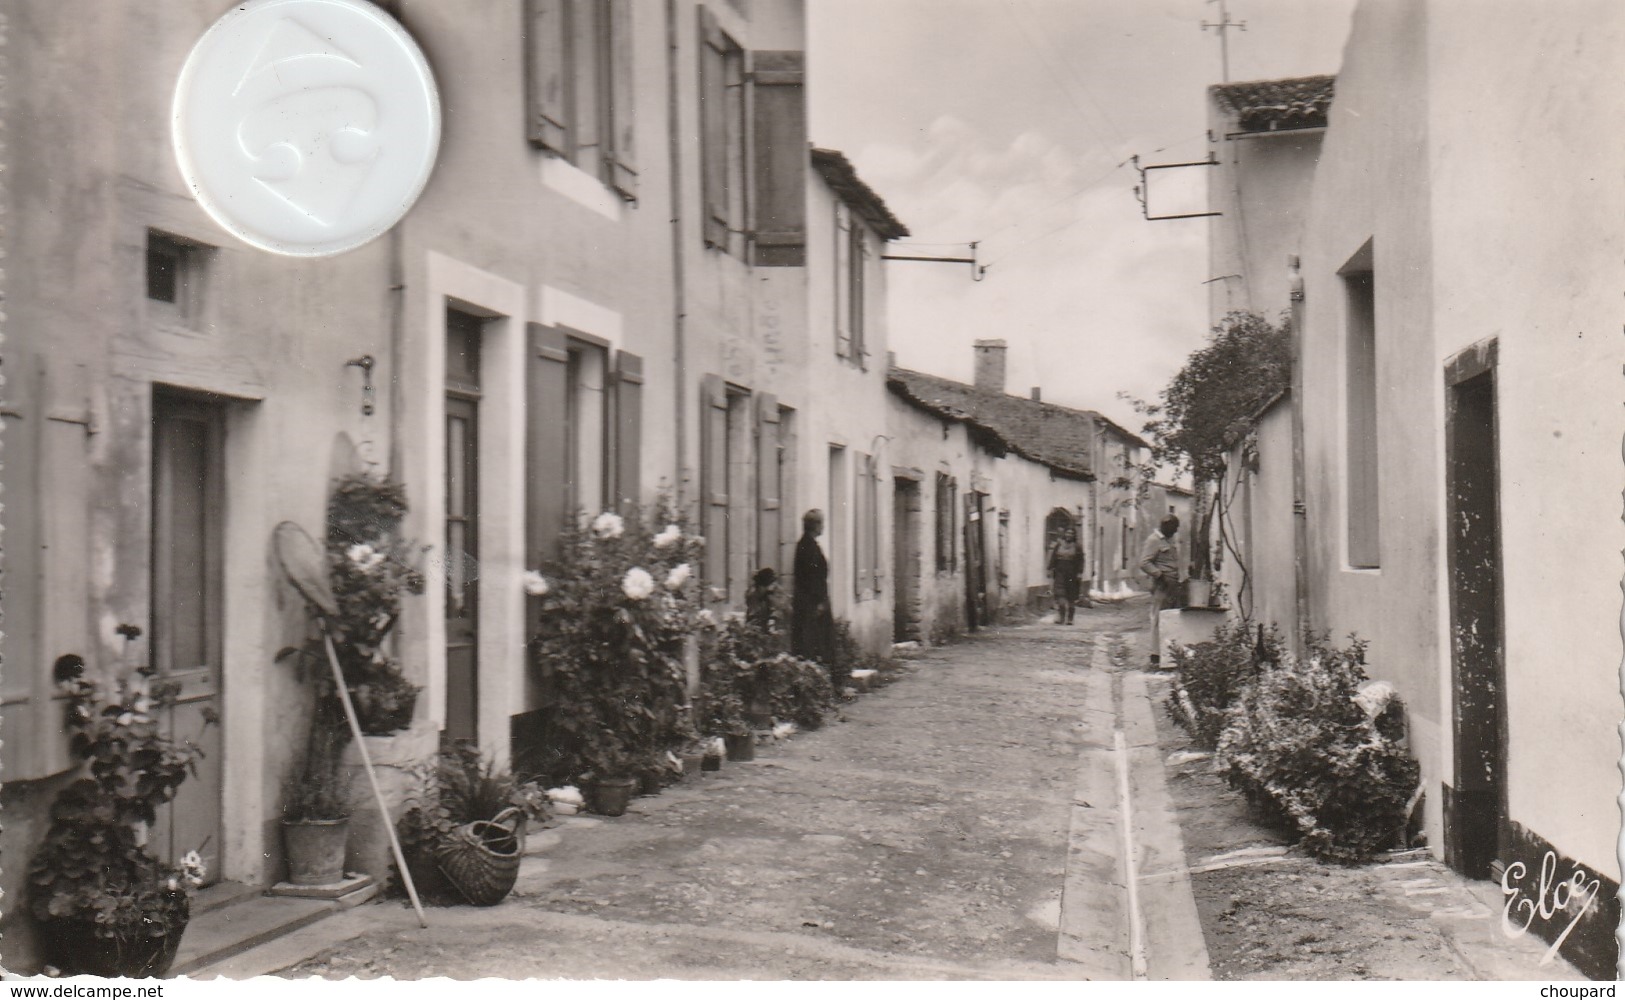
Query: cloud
x,y
1085,291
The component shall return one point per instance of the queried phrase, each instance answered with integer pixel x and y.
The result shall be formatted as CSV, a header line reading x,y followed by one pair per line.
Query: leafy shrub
x,y
746,672
616,609
1210,675
1298,742
795,690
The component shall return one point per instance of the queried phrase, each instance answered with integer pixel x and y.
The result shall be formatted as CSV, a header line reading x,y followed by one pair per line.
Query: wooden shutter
x,y
843,280
628,457
622,89
862,580
779,152
35,743
547,74
714,478
769,485
714,128
546,450
858,294
877,554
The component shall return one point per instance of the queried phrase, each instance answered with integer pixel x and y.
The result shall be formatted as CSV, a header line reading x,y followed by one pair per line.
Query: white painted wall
x,y
1526,248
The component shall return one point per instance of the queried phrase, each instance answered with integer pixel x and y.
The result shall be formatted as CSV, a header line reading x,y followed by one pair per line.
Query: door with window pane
x,y
188,611
462,525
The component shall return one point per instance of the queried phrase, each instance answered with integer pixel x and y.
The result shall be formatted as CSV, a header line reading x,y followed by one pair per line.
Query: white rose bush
x,y
614,611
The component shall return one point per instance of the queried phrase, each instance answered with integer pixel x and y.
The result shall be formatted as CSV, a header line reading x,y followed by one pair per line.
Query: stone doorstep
x,y
243,920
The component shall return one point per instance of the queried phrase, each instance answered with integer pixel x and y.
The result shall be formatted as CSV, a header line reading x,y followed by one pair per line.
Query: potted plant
x,y
722,713
463,832
316,816
613,770
714,752
104,903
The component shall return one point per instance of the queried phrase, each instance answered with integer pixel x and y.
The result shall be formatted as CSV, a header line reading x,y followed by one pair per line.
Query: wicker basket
x,y
481,860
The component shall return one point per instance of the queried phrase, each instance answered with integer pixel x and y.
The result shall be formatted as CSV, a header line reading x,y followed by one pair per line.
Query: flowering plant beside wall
x,y
106,904
370,570
615,612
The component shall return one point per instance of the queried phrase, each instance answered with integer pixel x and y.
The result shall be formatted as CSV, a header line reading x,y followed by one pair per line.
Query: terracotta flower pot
x,y
711,762
315,849
610,796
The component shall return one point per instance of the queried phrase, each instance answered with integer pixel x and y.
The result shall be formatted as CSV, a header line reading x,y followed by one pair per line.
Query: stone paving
x,y
923,836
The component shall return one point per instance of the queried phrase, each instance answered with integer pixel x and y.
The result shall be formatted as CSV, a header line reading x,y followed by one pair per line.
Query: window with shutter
x,y
722,134
588,465
628,450
579,67
779,159
622,150
769,485
714,479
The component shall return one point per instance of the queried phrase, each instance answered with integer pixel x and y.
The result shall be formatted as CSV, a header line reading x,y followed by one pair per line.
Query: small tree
x,y
1247,360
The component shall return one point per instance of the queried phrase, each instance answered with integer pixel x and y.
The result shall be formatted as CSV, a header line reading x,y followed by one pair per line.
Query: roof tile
x,y
1052,435
1277,105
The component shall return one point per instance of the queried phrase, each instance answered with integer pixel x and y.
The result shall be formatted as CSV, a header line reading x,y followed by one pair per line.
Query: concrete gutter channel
x,y
1125,836
1126,910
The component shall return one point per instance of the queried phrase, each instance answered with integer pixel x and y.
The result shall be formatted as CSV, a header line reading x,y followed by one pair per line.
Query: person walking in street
x,y
1064,561
1159,560
812,623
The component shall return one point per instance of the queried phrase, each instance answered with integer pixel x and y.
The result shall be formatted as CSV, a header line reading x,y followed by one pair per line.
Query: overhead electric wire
x,y
1061,83
1048,42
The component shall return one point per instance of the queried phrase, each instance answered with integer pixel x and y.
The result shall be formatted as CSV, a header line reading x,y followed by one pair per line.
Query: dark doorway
x,y
906,559
1054,522
462,525
188,618
1477,815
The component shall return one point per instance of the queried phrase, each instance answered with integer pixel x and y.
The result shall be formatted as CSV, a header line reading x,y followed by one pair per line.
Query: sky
x,y
1009,122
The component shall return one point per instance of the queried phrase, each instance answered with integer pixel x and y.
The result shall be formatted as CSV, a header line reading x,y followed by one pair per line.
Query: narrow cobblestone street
x,y
925,836
964,822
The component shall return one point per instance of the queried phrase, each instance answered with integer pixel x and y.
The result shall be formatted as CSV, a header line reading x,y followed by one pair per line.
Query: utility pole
x,y
1223,25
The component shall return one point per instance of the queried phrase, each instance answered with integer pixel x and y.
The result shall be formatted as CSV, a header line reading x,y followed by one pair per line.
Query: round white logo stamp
x,y
306,127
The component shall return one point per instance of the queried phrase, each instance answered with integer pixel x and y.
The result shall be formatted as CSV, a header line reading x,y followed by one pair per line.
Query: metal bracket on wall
x,y
1142,188
978,270
88,421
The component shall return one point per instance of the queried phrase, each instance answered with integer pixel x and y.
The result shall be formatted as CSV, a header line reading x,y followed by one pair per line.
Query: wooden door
x,y
188,611
975,563
1477,813
906,559
462,561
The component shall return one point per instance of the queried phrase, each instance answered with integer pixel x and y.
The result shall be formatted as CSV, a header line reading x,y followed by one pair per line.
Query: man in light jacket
x,y
1159,560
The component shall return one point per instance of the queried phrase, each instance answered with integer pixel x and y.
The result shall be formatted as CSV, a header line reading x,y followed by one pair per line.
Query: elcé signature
x,y
1549,899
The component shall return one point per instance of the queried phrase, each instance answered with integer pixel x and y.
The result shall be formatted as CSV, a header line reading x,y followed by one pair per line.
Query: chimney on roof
x,y
1038,394
990,365
891,360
